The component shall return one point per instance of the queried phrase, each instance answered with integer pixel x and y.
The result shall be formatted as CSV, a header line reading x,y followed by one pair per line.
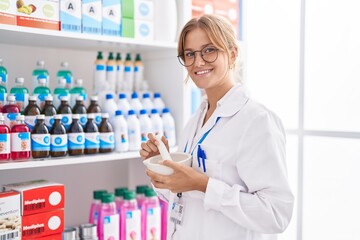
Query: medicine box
x,y
128,27
111,17
144,30
92,16
143,10
10,218
127,8
49,237
8,12
42,224
38,14
70,15
38,196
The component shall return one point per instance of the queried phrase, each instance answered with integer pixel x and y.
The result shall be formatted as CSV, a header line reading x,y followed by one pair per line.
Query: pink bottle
x,y
95,206
108,224
151,216
4,140
164,210
10,111
130,218
140,194
20,140
119,197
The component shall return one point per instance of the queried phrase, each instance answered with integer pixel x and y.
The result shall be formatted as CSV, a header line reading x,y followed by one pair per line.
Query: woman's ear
x,y
233,55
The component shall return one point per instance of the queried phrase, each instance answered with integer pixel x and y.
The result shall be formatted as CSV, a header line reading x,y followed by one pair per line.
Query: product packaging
x,y
70,15
8,13
10,218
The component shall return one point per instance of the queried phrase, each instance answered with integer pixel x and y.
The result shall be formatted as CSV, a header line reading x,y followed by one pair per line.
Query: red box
x,y
39,196
50,237
42,224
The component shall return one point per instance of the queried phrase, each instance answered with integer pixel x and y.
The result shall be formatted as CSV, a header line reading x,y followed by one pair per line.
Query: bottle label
x,y
59,143
4,143
20,142
153,223
133,225
10,119
76,141
83,119
111,227
66,120
110,68
40,142
30,121
2,99
92,140
22,100
107,140
100,67
97,118
49,121
121,140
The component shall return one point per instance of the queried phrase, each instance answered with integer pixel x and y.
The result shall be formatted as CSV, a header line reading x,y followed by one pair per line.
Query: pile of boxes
x,y
33,210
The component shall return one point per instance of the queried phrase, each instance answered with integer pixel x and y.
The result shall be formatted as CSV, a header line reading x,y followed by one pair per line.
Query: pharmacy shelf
x,y
57,39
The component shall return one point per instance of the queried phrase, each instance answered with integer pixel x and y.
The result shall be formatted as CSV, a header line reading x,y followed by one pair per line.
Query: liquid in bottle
x,y
40,139
30,112
10,111
65,110
79,108
20,140
4,140
49,111
58,138
107,141
95,108
92,135
76,137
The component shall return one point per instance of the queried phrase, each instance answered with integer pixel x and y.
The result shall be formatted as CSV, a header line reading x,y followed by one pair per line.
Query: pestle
x,y
165,155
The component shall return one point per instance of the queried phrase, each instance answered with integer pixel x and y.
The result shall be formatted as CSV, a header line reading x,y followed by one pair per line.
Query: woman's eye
x,y
189,54
209,50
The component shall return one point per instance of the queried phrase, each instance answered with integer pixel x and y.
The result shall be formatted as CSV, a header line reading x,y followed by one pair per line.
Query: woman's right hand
x,y
150,149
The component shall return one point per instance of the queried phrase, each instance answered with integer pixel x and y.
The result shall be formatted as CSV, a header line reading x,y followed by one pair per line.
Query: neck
x,y
216,93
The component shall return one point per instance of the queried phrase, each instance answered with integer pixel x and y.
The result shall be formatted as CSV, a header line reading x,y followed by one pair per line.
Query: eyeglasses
x,y
209,54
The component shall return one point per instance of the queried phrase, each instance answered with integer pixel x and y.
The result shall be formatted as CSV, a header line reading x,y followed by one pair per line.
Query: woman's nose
x,y
199,61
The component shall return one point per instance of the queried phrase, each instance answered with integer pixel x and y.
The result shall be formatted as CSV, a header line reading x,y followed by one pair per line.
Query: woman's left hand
x,y
183,179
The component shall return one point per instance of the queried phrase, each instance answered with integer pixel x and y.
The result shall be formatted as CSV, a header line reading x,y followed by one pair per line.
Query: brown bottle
x,y
107,141
76,137
40,139
95,108
92,136
49,111
30,112
58,136
79,108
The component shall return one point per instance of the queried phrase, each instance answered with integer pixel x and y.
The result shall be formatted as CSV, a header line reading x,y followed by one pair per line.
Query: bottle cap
x,y
99,56
64,64
140,189
20,118
105,115
58,116
118,112
149,192
118,56
143,112
11,98
90,116
146,95
107,197
32,98
154,111
122,95
134,95
157,95
40,63
75,116
42,81
79,98
131,112
61,81
78,81
2,118
166,110
19,80
97,193
94,98
49,98
109,96
111,56
64,98
40,117
138,57
129,195
119,192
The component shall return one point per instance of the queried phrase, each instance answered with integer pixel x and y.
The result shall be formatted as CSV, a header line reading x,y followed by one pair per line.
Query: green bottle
x,y
77,90
60,91
41,92
21,94
64,72
3,84
40,72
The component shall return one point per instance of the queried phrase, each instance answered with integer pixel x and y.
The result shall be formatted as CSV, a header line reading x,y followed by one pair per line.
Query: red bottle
x,y
4,140
20,140
10,111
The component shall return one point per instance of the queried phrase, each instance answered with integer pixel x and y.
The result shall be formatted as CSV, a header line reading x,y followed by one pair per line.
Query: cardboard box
x,y
39,196
8,12
143,10
38,14
50,237
127,8
10,218
144,30
92,16
111,18
42,224
128,27
70,15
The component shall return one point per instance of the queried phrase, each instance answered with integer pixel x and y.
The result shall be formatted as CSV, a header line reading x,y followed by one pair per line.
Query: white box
x,y
111,17
92,16
10,219
70,15
8,12
144,30
144,10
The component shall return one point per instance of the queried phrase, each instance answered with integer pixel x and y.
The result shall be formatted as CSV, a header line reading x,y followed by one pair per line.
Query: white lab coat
x,y
248,196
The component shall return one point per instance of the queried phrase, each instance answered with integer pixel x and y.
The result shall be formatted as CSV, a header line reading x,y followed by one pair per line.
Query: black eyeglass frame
x,y
181,57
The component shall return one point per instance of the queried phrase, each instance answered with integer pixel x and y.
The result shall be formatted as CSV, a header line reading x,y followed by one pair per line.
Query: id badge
x,y
177,212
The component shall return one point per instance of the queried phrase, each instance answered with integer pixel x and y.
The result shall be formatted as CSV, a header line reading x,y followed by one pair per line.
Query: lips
x,y
202,72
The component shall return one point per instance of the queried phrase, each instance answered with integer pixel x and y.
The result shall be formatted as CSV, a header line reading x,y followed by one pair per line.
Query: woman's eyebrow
x,y
205,45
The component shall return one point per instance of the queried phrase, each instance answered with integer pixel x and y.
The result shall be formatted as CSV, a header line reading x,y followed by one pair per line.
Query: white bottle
x,y
99,74
123,104
158,128
147,103
145,125
169,127
135,103
134,131
121,132
110,107
119,73
111,71
159,104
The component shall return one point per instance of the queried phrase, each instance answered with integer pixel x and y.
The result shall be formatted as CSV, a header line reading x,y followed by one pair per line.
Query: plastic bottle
x,y
76,137
30,112
119,198
164,210
77,90
147,103
140,194
92,135
111,71
130,218
65,110
123,104
158,102
58,138
3,84
3,73
157,122
40,139
110,107
151,216
4,140
40,72
60,91
10,111
107,141
65,73
134,131
108,227
41,92
49,111
121,133
135,103
95,206
20,140
145,125
128,74
119,73
95,109
99,73
169,127
79,108
138,73
21,93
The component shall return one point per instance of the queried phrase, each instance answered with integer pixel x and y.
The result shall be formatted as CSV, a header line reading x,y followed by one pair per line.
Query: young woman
x,y
237,187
